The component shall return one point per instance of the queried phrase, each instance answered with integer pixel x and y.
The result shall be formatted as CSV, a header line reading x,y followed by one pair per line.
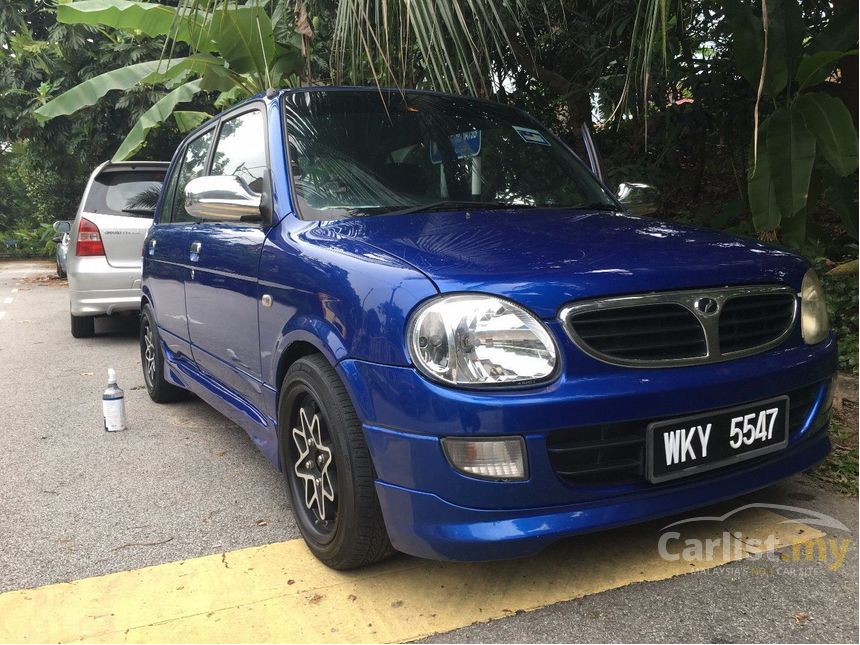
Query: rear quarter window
x,y
126,193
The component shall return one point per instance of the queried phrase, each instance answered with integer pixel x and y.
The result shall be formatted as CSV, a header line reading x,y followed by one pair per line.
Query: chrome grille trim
x,y
710,322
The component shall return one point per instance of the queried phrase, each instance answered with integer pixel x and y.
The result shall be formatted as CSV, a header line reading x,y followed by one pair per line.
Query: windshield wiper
x,y
464,204
139,211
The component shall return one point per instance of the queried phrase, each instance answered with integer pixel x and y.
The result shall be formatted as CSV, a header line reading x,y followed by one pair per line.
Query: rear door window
x,y
129,193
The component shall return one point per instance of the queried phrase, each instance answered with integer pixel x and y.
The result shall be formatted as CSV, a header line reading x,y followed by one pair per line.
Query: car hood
x,y
543,259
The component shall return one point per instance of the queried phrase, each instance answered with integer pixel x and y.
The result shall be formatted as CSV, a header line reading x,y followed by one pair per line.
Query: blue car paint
x,y
346,288
576,254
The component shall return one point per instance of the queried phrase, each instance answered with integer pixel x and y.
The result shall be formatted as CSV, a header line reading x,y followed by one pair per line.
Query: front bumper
x,y
433,511
425,525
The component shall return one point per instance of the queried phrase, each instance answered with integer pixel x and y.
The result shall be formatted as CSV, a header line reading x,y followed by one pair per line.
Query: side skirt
x,y
181,371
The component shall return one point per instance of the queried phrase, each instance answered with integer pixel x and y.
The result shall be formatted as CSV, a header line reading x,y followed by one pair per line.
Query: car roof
x,y
134,165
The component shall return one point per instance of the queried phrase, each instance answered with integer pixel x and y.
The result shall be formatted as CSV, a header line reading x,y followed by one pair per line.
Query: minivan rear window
x,y
130,193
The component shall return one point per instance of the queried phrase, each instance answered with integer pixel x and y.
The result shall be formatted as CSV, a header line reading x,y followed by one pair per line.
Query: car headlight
x,y
473,339
814,322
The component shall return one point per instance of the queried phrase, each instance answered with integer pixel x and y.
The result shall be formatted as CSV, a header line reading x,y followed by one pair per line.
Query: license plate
x,y
689,445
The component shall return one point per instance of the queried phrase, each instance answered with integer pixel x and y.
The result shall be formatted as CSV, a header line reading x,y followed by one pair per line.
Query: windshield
x,y
359,153
130,193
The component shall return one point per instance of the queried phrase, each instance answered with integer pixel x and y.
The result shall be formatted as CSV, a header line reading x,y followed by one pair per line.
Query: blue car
x,y
455,342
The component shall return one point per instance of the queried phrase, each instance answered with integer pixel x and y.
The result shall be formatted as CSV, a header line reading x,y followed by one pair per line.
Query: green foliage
x,y
790,148
44,165
830,122
28,242
842,304
841,466
90,91
154,116
187,120
816,67
805,130
232,51
148,18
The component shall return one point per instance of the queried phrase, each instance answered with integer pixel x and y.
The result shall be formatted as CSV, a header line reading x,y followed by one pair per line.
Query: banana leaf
x,y
790,148
814,69
187,120
148,18
154,116
762,196
830,121
90,91
243,36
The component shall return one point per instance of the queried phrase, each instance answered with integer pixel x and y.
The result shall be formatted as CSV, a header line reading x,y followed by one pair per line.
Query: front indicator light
x,y
814,321
487,458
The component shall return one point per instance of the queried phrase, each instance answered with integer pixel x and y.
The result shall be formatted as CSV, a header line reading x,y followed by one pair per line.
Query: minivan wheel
x,y
327,467
152,361
83,326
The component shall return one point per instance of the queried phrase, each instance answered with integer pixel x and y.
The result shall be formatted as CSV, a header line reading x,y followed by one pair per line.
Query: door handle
x,y
196,247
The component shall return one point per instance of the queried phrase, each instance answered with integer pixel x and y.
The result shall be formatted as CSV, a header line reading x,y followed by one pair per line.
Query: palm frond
x,y
450,45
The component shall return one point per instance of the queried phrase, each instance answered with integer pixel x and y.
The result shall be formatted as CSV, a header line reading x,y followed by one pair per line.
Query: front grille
x,y
682,327
750,321
614,453
644,332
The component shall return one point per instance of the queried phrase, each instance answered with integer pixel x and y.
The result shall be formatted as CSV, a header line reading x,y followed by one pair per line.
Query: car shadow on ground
x,y
118,326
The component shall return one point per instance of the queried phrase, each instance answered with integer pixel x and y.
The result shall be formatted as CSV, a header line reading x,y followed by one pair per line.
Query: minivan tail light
x,y
89,239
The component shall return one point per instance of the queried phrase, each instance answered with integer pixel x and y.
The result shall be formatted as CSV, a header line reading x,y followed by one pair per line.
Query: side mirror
x,y
62,226
222,198
639,199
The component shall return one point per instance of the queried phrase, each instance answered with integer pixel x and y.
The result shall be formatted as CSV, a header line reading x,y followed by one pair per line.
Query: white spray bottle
x,y
113,404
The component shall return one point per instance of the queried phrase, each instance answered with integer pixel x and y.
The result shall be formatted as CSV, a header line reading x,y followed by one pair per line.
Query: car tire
x,y
323,452
83,326
152,362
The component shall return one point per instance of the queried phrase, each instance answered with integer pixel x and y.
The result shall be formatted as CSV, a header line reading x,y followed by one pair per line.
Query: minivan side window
x,y
193,165
241,149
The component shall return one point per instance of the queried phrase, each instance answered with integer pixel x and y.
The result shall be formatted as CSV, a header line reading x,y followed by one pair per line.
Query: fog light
x,y
487,458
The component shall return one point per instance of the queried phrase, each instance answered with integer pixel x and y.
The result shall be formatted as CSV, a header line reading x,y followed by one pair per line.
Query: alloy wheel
x,y
313,468
149,353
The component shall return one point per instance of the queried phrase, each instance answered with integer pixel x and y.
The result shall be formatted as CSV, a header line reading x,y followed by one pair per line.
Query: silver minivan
x,y
106,241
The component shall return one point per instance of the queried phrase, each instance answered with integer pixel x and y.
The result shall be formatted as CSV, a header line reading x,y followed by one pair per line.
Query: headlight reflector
x,y
488,458
474,339
814,322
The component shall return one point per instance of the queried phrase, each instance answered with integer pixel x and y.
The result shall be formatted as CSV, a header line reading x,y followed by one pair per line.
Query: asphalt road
x,y
183,482
76,501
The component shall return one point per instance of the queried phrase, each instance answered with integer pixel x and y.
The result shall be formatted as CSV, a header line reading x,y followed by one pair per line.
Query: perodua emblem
x,y
707,306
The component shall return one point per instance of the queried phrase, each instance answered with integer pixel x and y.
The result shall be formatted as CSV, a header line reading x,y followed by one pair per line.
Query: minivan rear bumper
x,y
104,303
97,288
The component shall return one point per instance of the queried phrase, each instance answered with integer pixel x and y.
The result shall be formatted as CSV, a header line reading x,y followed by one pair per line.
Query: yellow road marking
x,y
280,593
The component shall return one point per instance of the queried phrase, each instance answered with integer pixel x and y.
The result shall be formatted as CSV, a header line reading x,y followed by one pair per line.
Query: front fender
x,y
306,330
345,298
